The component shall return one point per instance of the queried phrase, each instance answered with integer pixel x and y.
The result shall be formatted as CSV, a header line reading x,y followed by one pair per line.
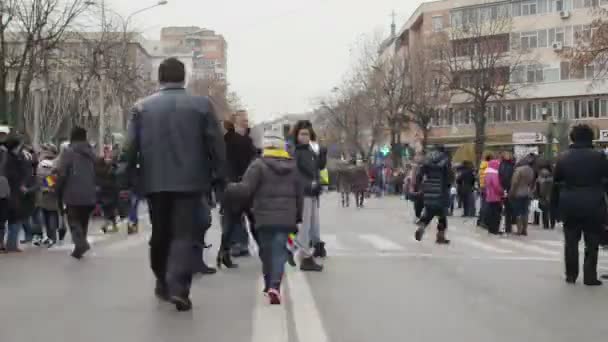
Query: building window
x,y
456,18
604,107
565,71
529,40
589,72
515,41
568,36
542,6
542,38
437,23
551,75
528,8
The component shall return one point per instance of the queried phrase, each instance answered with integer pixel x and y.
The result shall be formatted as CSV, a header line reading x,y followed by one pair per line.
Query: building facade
x,y
550,88
208,50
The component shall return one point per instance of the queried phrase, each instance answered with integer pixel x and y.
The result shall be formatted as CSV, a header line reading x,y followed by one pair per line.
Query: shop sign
x,y
522,151
529,138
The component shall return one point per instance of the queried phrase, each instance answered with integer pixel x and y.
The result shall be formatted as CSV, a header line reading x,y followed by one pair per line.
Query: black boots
x,y
161,291
441,239
309,265
320,251
224,259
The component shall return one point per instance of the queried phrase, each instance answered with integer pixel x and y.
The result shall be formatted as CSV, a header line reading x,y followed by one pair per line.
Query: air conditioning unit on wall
x,y
564,14
557,46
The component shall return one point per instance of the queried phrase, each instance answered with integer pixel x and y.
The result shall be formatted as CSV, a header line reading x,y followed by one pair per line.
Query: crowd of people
x,y
570,189
179,159
42,188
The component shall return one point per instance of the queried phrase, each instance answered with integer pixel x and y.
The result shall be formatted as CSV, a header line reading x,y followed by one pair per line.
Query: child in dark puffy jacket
x,y
273,184
107,193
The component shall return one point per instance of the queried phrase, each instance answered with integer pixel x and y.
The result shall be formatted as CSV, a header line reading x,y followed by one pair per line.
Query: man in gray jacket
x,y
77,189
177,142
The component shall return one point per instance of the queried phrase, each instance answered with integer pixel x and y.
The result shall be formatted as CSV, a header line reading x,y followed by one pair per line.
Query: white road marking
x,y
482,245
551,243
381,243
269,321
309,327
332,243
527,246
93,239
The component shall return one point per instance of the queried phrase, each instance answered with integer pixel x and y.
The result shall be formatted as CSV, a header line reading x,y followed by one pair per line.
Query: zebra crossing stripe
x,y
482,245
528,247
92,239
381,243
550,243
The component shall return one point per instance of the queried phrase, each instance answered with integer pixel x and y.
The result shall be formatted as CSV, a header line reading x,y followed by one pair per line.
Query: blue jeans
x,y
12,239
273,252
134,204
50,220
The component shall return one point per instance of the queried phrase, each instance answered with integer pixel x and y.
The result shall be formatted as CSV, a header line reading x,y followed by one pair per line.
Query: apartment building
x,y
208,50
550,88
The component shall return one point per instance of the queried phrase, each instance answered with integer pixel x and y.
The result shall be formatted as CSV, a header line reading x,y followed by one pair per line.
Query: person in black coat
x,y
310,163
579,193
240,152
18,170
505,174
466,185
435,178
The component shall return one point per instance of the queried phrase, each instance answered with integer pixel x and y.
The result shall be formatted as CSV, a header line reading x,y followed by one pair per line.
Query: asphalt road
x,y
379,285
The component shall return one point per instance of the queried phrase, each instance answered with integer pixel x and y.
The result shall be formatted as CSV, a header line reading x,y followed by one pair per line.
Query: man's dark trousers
x,y
174,226
573,229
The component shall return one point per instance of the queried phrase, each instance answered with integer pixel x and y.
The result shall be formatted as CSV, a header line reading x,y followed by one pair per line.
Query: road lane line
x,y
269,321
527,247
92,239
482,245
381,243
550,243
309,327
332,243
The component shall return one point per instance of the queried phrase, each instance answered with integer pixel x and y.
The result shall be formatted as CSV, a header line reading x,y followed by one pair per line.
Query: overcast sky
x,y
282,54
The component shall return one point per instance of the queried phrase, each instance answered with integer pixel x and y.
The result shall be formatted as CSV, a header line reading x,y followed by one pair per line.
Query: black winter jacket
x,y
466,180
240,152
579,183
435,177
310,165
505,173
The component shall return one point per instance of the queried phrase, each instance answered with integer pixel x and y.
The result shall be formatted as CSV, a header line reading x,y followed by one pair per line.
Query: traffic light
x,y
385,150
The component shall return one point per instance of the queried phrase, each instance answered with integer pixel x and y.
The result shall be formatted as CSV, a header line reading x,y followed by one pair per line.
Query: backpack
x,y
5,188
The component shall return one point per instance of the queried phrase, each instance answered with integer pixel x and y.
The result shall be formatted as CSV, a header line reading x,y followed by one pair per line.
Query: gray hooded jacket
x,y
274,185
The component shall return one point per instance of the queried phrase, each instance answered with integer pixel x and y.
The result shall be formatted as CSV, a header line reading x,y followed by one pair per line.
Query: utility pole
x,y
393,25
102,108
102,87
37,108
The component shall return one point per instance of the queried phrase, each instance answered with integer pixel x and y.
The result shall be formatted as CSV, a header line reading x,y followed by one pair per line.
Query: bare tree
x,y
7,15
38,27
357,125
477,64
591,46
426,93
